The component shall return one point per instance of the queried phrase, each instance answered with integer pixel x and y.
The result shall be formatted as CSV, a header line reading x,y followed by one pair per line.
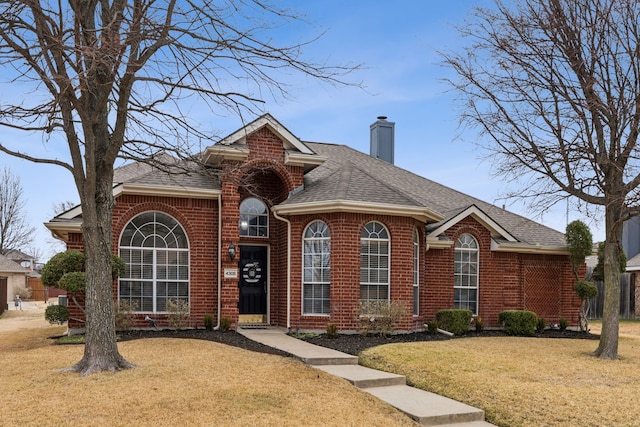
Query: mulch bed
x,y
347,343
355,343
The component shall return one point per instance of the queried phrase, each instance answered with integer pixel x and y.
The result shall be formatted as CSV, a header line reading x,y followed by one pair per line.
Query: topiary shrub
x,y
56,314
518,322
455,321
541,325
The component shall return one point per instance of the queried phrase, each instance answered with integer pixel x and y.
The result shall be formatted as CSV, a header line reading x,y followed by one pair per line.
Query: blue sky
x,y
397,42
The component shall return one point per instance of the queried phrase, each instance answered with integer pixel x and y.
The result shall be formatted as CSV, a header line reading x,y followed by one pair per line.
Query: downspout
x,y
219,260
275,214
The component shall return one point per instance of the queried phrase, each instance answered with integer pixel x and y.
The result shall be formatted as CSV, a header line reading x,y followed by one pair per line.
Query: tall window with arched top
x,y
416,273
316,269
465,288
254,218
155,249
374,262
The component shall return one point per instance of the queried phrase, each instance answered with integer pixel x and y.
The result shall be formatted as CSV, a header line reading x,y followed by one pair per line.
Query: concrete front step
x,y
427,408
363,377
307,353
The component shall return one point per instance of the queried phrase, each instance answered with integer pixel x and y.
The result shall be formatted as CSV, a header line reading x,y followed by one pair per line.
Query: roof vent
x,y
382,139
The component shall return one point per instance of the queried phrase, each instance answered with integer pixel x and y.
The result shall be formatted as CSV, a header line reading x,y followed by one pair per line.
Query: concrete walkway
x,y
426,408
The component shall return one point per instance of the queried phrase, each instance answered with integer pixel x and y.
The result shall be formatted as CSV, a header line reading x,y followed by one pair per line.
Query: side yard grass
x,y
176,382
525,381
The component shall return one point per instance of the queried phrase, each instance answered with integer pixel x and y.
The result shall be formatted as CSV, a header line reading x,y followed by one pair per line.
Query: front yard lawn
x,y
525,381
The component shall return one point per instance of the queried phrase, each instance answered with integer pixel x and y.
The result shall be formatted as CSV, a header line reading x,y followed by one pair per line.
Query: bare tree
x,y
110,77
554,88
15,231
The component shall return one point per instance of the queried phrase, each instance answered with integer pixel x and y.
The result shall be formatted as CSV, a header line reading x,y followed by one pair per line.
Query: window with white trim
x,y
465,288
254,218
316,269
374,262
155,250
416,273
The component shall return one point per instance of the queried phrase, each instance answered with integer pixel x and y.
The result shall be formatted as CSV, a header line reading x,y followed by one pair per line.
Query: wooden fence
x,y
627,299
38,290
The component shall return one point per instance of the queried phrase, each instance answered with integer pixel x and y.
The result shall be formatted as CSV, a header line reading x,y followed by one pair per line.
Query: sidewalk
x,y
426,408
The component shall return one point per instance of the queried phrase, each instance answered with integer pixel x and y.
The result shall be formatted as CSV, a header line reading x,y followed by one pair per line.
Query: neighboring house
x,y
14,275
284,232
25,260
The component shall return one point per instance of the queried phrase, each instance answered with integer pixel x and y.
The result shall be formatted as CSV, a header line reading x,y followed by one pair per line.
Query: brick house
x,y
278,231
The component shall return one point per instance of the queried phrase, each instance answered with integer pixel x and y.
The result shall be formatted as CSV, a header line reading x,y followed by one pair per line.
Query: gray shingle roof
x,y
169,172
10,266
356,176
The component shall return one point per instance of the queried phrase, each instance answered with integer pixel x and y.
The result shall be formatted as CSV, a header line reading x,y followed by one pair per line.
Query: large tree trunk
x,y
100,350
608,347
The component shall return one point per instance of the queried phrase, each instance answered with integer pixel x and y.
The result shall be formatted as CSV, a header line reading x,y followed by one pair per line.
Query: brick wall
x,y
541,283
199,219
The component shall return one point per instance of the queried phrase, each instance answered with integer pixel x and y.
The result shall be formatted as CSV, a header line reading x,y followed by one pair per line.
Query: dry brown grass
x,y
526,381
176,382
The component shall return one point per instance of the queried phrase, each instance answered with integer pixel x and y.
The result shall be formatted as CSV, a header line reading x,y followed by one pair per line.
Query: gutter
x,y
275,215
219,261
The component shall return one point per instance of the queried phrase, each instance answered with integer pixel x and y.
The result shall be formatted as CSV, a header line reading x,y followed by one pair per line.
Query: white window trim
x,y
303,267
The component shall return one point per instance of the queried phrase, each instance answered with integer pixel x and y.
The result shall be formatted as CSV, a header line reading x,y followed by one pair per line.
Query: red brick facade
x,y
507,280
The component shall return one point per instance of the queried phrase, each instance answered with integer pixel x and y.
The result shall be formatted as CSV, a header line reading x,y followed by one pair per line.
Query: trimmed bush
x,y
178,316
56,314
564,324
518,322
479,324
124,312
225,324
380,316
23,292
455,321
332,330
541,325
208,322
432,327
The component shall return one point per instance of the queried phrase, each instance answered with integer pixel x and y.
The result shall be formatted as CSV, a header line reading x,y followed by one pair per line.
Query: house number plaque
x,y
230,273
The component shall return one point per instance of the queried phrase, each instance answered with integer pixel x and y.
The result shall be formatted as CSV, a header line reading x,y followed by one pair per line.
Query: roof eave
x,y
61,229
215,154
419,213
166,191
525,248
307,161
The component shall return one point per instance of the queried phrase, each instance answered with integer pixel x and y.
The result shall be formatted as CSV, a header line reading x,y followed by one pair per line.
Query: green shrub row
x,y
455,321
518,322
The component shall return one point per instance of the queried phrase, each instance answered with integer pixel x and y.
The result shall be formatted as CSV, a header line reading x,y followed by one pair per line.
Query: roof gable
x,y
289,140
497,231
235,148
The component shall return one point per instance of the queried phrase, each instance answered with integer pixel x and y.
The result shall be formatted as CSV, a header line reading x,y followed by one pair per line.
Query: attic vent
x,y
382,139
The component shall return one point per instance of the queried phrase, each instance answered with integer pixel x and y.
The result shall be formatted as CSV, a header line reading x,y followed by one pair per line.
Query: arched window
x,y
374,262
316,269
254,218
465,288
416,273
155,249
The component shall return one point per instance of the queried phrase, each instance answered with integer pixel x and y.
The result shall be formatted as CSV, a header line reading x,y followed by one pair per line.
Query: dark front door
x,y
253,283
